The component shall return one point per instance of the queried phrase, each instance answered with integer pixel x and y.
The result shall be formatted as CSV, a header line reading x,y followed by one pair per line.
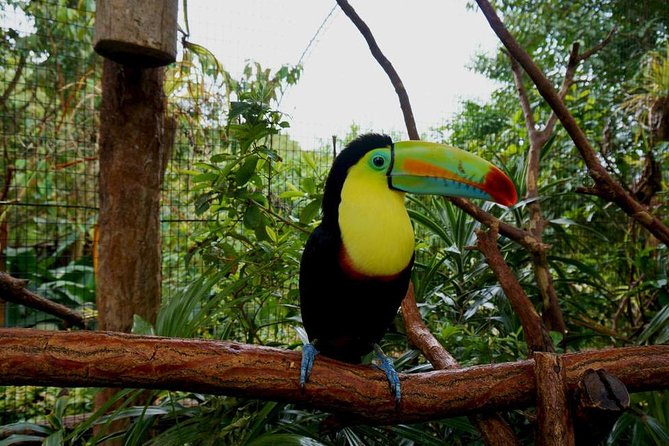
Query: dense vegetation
x,y
255,202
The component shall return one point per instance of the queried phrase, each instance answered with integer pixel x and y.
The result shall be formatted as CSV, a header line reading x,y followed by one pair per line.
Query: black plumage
x,y
344,312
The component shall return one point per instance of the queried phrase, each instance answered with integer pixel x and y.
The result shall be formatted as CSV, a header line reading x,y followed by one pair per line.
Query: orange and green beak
x,y
428,168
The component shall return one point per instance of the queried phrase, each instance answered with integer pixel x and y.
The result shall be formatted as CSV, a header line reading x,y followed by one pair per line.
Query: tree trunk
x,y
133,154
134,149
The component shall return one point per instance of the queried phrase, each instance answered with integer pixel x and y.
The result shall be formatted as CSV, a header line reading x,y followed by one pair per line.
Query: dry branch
x,y
552,313
104,359
14,290
607,187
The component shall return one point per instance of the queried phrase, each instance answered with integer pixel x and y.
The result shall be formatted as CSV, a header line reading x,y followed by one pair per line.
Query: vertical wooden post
x,y
554,423
133,152
142,34
133,155
134,147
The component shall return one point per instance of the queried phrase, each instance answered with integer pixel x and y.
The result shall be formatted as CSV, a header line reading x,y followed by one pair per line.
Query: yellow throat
x,y
375,228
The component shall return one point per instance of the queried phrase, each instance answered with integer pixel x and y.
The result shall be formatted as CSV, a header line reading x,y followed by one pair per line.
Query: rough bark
x,y
93,359
135,142
134,149
494,429
606,186
554,425
14,290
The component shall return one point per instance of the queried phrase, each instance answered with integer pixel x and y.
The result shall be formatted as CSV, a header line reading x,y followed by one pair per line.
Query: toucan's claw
x,y
309,353
386,364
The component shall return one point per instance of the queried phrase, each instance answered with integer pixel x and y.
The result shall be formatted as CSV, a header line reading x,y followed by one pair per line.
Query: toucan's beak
x,y
427,168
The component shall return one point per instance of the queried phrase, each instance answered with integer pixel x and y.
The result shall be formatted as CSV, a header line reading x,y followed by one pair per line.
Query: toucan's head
x,y
416,167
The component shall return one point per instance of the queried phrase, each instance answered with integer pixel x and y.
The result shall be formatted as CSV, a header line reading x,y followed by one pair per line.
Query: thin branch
x,y
494,430
104,359
405,104
552,313
14,290
523,97
611,189
14,81
598,47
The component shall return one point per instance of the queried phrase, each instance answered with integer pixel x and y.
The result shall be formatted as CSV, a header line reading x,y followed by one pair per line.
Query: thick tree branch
x,y
609,188
494,430
14,290
103,359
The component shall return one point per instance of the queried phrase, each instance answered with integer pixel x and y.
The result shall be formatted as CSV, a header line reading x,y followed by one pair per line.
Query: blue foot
x,y
386,364
309,353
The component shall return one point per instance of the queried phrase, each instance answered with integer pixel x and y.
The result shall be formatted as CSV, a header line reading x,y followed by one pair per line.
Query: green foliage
x,y
256,202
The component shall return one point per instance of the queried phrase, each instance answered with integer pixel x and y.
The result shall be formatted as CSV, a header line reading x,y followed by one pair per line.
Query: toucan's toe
x,y
386,364
309,353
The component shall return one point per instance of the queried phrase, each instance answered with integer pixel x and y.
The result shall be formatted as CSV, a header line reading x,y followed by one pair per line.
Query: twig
x,y
405,104
13,290
103,359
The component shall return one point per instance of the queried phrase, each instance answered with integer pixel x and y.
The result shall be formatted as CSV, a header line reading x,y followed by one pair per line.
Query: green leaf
x,y
658,326
310,211
291,194
246,171
252,217
271,234
55,439
309,185
141,327
21,439
272,439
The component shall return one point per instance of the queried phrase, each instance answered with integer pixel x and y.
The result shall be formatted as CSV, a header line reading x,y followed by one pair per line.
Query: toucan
x,y
356,265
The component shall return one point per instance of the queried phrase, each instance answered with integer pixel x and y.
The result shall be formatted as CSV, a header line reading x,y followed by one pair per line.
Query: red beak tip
x,y
501,188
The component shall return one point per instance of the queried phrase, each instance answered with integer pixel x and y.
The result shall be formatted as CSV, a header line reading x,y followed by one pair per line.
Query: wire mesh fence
x,y
49,101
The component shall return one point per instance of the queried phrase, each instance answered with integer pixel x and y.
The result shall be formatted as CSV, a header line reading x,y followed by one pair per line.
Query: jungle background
x,y
241,197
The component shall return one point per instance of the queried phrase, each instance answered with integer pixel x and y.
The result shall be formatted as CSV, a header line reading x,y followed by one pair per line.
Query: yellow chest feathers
x,y
375,227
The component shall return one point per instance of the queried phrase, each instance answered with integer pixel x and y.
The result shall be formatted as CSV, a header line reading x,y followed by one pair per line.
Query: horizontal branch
x,y
105,359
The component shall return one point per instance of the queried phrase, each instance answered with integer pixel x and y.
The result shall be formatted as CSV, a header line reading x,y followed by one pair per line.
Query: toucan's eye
x,y
378,161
